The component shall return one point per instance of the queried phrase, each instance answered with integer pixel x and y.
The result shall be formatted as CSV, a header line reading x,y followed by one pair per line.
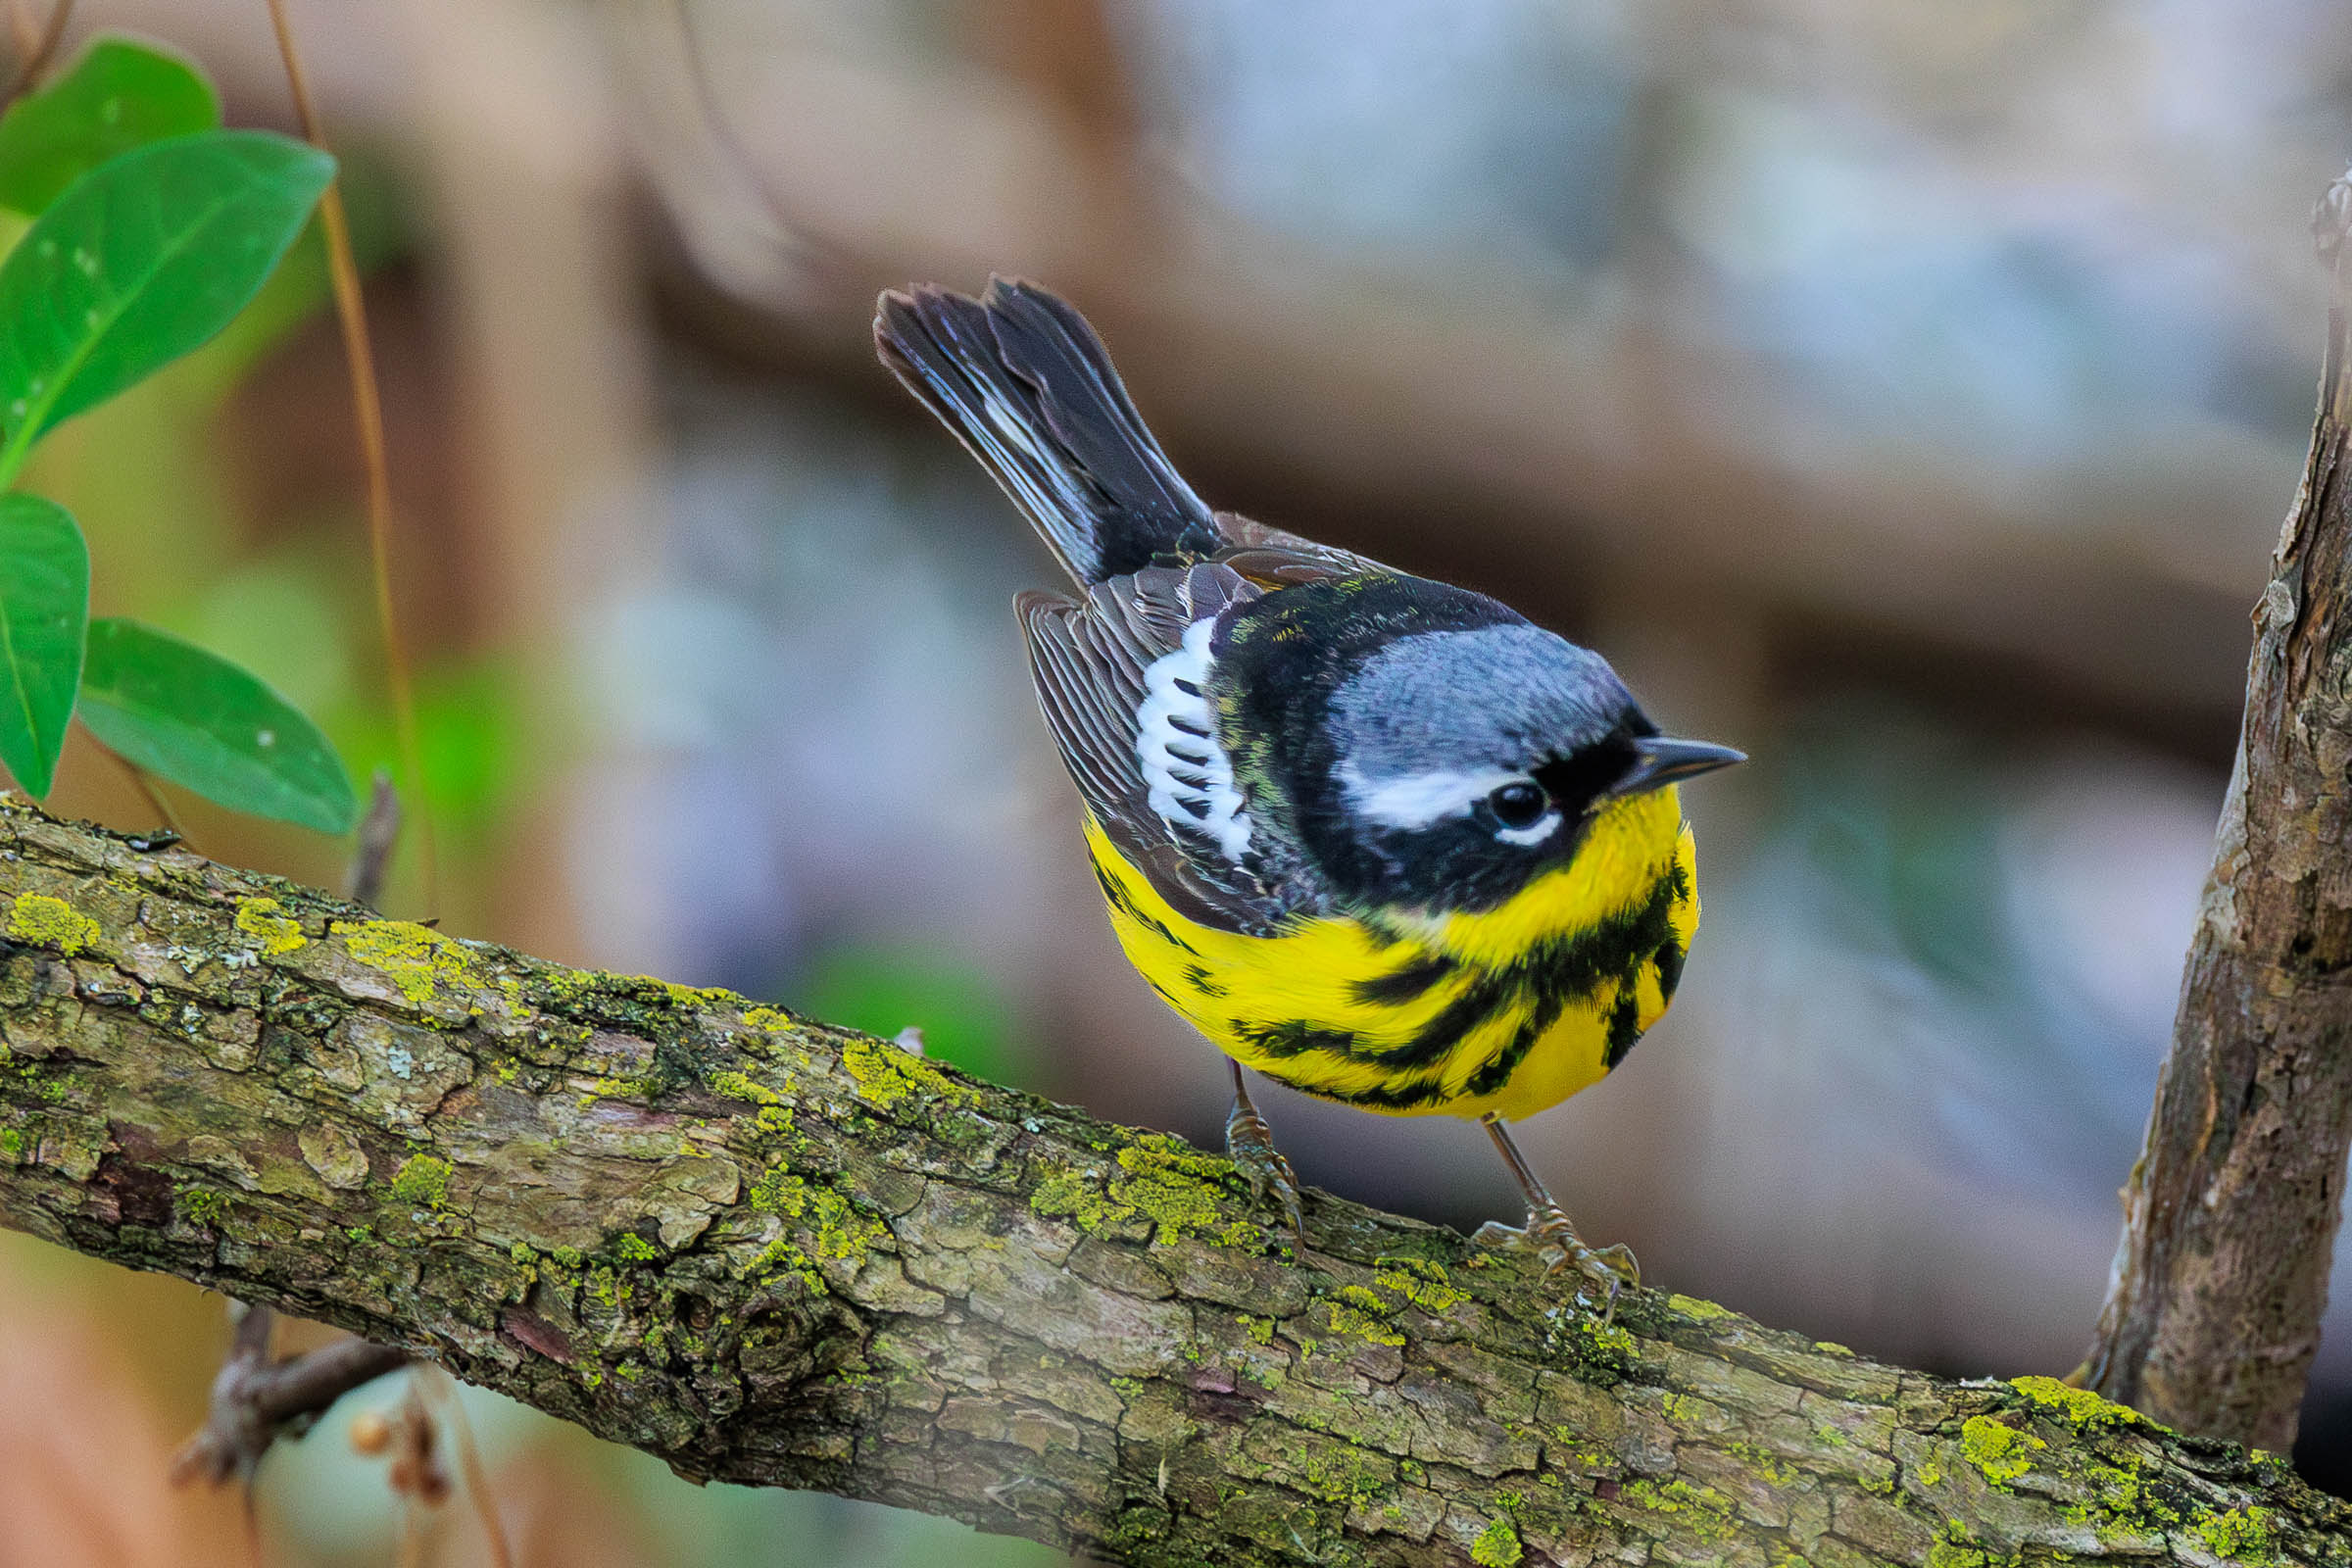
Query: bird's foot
x,y
1250,1145
1551,1233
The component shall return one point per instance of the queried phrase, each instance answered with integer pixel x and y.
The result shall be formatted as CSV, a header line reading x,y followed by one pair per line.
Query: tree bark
x,y
2230,1216
774,1252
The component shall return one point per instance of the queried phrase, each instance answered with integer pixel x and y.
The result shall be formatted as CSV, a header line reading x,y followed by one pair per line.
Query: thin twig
x,y
368,410
379,831
36,60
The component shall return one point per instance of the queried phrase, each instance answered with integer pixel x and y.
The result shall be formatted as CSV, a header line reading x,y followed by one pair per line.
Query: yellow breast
x,y
1510,1010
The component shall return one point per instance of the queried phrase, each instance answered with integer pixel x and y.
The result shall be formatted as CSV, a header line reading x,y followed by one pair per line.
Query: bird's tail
x,y
1025,384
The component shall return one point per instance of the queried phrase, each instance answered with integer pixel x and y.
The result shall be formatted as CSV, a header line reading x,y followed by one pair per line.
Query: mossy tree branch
x,y
774,1252
2231,1214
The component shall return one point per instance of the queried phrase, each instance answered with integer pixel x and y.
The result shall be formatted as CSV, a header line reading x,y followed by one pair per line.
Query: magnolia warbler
x,y
1378,838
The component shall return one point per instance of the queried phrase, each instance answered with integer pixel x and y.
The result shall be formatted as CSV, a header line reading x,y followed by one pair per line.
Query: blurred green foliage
x,y
885,988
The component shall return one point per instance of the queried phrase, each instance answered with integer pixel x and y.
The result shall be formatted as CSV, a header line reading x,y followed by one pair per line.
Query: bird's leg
x,y
1552,1232
1250,1145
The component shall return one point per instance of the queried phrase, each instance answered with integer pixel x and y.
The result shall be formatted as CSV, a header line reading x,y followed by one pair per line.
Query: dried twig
x,y
368,410
254,1399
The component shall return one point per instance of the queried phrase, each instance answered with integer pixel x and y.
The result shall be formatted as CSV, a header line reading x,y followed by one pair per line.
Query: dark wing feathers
x,y
1089,661
1026,385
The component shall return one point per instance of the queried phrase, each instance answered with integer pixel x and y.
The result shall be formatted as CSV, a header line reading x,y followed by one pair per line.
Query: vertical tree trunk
x,y
2231,1214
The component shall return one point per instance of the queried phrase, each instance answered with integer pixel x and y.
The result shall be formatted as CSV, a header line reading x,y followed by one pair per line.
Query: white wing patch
x,y
1189,776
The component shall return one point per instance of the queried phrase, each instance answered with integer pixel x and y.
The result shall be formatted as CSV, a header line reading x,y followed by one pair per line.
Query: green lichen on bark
x,y
266,920
423,1180
416,958
1497,1546
2000,1452
52,922
773,1252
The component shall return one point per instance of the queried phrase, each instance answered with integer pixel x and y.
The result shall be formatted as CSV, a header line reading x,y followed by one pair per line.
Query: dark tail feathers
x,y
1025,384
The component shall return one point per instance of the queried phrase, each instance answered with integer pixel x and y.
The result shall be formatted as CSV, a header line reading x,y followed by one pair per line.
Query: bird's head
x,y
1453,766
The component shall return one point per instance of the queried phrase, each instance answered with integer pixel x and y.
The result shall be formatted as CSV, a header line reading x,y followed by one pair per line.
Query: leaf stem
x,y
368,410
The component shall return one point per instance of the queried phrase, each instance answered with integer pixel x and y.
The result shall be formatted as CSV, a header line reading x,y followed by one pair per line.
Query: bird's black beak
x,y
1663,759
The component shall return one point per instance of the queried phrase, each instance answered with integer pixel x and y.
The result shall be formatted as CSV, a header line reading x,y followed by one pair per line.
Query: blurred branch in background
x,y
1605,453
257,1397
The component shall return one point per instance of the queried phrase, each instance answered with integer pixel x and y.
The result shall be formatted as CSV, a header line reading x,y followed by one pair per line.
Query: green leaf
x,y
118,96
44,606
141,259
200,721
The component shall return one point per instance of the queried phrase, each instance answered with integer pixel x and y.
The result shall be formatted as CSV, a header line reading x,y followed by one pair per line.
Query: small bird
x,y
1377,837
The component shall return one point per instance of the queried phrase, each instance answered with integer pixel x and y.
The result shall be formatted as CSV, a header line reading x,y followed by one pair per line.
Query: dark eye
x,y
1519,806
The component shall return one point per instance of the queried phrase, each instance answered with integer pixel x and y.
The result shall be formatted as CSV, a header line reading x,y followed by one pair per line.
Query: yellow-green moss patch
x,y
1772,1468
2240,1534
1424,1284
423,1180
2081,1408
266,921
2002,1452
1161,1179
1497,1546
887,1074
1956,1547
1703,1311
1180,1190
48,923
1361,1312
774,1114
1712,1517
414,957
840,1230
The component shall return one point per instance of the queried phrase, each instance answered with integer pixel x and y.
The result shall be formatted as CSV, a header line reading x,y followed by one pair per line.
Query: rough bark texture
x,y
774,1252
2231,1214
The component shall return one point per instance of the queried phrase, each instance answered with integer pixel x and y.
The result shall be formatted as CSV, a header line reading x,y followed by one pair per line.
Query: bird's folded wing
x,y
1275,558
1091,662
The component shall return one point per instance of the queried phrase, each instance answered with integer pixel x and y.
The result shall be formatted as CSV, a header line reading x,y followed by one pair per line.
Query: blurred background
x,y
1906,393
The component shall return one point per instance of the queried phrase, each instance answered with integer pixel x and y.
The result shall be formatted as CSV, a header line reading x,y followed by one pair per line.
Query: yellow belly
x,y
1507,1011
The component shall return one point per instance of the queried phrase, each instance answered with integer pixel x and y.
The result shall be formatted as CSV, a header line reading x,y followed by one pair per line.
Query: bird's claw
x,y
1553,1237
1250,1145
